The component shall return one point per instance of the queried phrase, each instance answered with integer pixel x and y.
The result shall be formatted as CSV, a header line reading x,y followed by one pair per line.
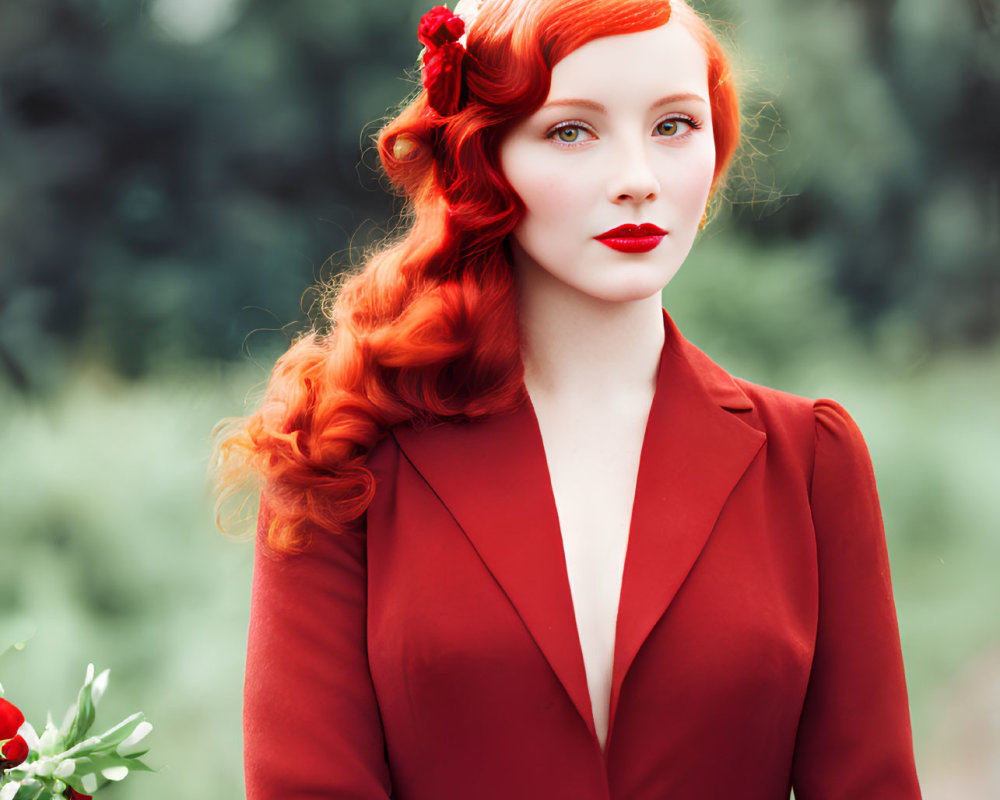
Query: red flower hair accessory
x,y
444,58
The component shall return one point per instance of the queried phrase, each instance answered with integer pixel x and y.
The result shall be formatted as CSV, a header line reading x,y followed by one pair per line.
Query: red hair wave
x,y
428,329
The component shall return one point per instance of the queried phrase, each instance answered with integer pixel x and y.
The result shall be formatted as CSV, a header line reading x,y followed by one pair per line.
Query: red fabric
x,y
437,658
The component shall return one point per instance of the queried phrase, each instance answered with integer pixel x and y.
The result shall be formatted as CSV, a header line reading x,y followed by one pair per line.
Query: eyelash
x,y
692,124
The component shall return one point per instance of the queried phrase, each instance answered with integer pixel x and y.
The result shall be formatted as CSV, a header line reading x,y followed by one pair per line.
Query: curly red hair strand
x,y
428,329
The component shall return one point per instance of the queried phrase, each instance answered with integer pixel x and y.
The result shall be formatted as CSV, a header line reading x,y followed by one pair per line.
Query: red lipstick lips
x,y
632,238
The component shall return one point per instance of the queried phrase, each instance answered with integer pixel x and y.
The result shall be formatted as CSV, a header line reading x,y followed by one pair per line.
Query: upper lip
x,y
631,231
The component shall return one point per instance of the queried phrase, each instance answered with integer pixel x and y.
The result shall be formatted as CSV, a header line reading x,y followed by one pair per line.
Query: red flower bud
x,y
443,78
11,719
73,794
438,27
13,752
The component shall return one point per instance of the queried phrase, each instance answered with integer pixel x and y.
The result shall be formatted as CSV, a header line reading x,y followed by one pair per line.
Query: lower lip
x,y
632,244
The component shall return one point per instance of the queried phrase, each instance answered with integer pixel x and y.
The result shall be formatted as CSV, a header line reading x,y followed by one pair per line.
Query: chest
x,y
472,633
473,638
592,454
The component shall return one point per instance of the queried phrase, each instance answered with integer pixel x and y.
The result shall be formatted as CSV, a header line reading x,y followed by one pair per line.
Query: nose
x,y
633,179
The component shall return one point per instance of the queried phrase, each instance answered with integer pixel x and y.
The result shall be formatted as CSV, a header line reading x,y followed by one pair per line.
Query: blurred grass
x,y
106,510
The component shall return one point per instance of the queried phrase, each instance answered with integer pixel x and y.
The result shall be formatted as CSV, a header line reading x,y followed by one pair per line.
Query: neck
x,y
574,345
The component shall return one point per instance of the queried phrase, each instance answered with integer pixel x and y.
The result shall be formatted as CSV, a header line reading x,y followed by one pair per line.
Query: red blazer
x,y
436,658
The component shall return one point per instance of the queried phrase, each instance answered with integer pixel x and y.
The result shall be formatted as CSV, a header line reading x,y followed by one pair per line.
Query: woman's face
x,y
623,139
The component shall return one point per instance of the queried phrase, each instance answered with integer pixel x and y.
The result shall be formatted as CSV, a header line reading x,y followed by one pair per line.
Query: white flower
x,y
115,773
44,767
100,685
9,790
67,720
128,746
66,768
27,731
468,10
89,782
48,742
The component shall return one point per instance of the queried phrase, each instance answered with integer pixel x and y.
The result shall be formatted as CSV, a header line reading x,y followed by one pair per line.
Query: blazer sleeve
x,y
310,719
854,737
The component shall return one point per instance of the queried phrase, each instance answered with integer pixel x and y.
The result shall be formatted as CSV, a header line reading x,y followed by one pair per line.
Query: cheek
x,y
691,182
547,194
548,188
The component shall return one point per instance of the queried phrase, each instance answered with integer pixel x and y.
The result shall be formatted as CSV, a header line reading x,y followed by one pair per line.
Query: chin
x,y
640,287
628,293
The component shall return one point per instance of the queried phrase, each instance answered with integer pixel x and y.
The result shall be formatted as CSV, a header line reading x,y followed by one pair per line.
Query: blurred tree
x,y
893,109
157,190
176,173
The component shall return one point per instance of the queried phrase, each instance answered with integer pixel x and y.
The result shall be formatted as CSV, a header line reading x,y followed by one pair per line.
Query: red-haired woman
x,y
518,538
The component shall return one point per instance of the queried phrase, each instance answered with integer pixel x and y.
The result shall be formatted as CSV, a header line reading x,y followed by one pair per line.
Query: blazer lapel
x,y
694,453
492,477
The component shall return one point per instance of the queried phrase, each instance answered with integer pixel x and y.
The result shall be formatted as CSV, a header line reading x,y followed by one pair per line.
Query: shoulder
x,y
826,417
776,407
779,414
841,455
820,431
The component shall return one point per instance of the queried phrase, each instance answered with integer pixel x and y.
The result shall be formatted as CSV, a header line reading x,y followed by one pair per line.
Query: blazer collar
x,y
492,476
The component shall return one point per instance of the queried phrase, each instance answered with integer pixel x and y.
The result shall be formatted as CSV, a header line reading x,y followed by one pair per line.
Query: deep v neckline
x,y
597,647
492,477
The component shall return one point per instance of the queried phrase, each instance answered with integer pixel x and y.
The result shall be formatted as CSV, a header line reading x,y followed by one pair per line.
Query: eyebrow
x,y
594,106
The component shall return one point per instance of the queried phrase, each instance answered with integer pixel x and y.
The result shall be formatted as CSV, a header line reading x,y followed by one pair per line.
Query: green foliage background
x,y
175,174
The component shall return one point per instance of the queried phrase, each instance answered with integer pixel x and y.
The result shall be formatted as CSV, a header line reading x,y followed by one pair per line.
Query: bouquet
x,y
65,762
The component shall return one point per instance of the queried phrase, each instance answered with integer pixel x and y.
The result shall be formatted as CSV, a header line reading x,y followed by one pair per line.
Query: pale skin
x,y
623,137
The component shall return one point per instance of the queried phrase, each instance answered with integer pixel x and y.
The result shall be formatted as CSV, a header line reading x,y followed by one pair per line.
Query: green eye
x,y
568,134
668,127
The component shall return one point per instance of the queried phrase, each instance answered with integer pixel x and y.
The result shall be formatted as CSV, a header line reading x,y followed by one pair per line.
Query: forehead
x,y
662,60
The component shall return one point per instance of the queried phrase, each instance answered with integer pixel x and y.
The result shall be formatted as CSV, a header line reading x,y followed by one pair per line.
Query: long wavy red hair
x,y
428,329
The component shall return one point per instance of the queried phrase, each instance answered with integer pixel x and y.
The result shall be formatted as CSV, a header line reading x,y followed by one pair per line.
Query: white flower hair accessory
x,y
468,10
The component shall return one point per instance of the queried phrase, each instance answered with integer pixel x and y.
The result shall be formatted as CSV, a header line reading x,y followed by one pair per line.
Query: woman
x,y
518,538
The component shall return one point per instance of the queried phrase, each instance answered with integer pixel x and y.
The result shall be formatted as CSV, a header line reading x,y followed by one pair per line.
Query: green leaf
x,y
96,764
85,712
31,790
112,737
76,781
